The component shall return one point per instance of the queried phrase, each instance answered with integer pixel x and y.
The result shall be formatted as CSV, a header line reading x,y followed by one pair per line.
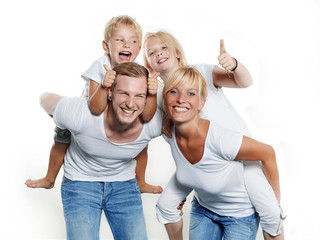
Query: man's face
x,y
129,98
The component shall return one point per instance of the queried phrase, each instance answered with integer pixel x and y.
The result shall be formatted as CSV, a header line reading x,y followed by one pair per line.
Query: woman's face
x,y
183,103
160,57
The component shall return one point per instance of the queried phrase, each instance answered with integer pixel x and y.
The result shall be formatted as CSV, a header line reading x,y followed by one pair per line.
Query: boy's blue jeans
x,y
83,203
206,225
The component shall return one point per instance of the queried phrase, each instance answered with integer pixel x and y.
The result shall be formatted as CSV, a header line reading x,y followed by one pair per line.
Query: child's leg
x,y
264,200
56,158
142,160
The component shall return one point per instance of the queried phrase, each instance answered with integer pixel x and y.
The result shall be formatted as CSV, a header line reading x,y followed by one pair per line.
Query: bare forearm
x,y
98,101
242,76
150,108
174,230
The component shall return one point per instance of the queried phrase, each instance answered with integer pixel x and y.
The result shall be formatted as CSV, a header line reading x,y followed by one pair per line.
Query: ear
x,y
105,47
109,93
177,55
202,103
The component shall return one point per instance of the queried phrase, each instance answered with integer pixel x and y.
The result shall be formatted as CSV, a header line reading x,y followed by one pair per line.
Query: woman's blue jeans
x,y
206,225
83,203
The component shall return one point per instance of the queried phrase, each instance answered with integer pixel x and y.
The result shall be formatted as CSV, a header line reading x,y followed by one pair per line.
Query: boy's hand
x,y
153,84
225,60
108,78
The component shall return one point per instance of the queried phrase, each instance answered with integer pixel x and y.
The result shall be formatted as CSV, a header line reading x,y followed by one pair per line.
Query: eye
x,y
191,94
119,40
134,41
173,91
164,47
151,53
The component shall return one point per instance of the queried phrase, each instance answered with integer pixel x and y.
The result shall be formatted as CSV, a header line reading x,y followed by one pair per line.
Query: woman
x,y
207,159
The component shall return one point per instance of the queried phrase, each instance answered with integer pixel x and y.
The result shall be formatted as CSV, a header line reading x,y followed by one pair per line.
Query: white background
x,y
46,45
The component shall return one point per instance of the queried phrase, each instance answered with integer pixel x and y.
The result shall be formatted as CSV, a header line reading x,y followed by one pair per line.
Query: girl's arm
x,y
234,74
253,150
98,93
49,101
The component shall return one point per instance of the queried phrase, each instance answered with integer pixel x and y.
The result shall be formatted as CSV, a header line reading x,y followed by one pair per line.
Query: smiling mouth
x,y
128,111
125,55
162,60
180,109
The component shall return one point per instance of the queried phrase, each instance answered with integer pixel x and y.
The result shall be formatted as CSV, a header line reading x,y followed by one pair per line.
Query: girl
x,y
164,54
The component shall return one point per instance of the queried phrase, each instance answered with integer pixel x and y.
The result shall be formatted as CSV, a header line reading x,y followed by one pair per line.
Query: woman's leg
x,y
202,224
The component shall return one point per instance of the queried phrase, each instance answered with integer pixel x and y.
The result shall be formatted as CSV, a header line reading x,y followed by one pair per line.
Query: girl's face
x,y
183,103
161,58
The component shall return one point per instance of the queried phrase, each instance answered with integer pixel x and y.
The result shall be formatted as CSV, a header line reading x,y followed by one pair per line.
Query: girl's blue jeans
x,y
83,203
206,225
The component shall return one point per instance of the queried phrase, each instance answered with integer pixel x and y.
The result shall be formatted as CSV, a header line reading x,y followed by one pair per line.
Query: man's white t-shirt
x,y
91,156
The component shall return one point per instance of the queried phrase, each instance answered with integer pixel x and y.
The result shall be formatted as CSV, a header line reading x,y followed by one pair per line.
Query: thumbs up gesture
x,y
225,60
108,78
153,84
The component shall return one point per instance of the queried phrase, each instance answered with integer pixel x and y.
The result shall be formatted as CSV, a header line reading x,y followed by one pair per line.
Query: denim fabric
x,y
206,225
83,203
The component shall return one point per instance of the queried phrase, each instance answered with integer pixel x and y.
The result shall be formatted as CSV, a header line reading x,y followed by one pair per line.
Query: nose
x,y
130,102
126,44
180,98
159,53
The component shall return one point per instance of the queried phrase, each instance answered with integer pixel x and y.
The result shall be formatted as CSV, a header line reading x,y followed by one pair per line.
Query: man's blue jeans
x,y
206,225
83,203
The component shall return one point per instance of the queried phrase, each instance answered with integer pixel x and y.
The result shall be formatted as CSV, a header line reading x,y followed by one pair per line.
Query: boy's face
x,y
128,98
123,46
159,56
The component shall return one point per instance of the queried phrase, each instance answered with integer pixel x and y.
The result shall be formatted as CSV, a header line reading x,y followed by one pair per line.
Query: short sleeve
x,y
95,72
230,143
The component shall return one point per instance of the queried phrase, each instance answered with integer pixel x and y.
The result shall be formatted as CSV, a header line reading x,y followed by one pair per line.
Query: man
x,y
99,166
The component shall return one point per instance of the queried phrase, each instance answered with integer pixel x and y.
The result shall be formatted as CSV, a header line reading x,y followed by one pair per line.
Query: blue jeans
x,y
206,225
121,202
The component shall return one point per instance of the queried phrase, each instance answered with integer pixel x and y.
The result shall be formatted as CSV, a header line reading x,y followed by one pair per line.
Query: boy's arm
x,y
151,101
234,74
49,101
253,150
99,100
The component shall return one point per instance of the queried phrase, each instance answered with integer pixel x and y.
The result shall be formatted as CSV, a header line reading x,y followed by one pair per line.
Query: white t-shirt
x,y
91,156
217,180
95,72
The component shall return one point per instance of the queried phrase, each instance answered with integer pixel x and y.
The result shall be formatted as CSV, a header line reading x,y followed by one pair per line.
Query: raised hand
x,y
153,84
225,60
108,78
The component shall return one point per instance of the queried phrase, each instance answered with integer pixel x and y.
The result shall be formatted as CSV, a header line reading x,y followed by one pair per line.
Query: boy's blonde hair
x,y
170,41
181,76
122,20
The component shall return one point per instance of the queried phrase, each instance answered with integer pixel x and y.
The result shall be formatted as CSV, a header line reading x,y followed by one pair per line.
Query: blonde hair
x,y
181,76
170,41
121,20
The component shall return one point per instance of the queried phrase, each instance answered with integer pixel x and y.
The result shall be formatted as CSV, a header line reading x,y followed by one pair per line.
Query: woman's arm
x,y
253,150
49,101
234,74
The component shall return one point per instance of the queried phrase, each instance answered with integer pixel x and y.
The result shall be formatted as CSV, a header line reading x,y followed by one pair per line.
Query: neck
x,y
191,129
165,75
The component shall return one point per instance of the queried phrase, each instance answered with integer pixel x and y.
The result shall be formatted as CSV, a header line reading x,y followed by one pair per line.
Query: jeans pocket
x,y
65,181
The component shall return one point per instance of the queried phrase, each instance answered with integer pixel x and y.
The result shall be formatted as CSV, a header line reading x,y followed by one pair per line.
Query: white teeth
x,y
162,60
180,109
127,111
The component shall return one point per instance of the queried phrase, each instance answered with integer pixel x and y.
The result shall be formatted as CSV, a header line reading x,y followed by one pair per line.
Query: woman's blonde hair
x,y
122,20
182,76
170,41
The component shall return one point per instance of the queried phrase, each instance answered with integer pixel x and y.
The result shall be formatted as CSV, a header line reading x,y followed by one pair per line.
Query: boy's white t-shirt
x,y
91,156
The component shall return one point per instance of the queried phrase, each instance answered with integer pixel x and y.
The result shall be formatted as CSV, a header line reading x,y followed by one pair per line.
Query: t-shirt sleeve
x,y
155,124
230,143
68,113
206,72
95,72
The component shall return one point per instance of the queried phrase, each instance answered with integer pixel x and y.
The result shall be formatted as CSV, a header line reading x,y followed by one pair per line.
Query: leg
x,y
142,160
240,228
82,202
56,159
174,230
123,209
264,200
202,224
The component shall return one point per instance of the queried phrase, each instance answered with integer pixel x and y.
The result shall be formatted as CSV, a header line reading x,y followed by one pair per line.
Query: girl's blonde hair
x,y
181,76
170,41
122,20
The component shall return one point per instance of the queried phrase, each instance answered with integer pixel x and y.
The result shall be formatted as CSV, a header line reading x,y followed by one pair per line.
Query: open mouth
x,y
162,60
180,109
128,111
125,56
